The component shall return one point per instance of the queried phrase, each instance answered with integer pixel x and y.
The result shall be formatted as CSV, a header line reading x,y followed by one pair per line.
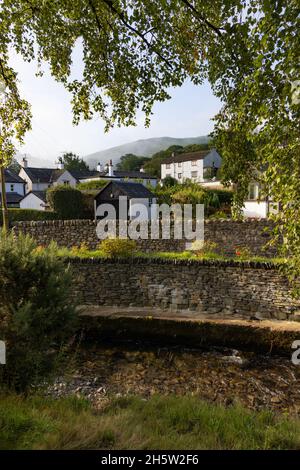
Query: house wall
x,y
214,288
32,186
185,170
257,209
31,201
66,177
17,188
227,234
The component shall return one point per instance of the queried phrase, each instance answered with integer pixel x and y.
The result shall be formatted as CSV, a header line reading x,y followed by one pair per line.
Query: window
x,y
194,174
12,187
179,175
194,162
168,166
253,192
66,182
179,164
168,174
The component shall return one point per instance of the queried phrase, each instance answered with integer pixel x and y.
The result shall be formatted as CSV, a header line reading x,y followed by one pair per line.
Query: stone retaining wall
x,y
228,235
226,289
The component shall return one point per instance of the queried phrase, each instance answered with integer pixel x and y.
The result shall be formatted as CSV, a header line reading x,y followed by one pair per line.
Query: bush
x,y
95,184
66,201
204,248
37,315
17,215
118,247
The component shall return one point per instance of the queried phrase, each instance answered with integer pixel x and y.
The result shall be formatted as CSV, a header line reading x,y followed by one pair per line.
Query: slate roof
x,y
42,175
13,198
12,177
85,174
40,194
132,190
132,174
186,157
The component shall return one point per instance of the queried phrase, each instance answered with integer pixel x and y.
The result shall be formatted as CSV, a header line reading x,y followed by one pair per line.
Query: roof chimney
x,y
99,167
60,165
110,168
24,162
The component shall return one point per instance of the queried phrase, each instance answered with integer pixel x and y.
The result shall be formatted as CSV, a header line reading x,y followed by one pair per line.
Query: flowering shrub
x,y
243,252
118,247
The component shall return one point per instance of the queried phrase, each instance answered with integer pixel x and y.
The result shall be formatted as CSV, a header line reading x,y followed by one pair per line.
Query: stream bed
x,y
219,375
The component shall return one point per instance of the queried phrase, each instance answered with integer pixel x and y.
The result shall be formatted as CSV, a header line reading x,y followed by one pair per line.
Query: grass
x,y
83,252
133,423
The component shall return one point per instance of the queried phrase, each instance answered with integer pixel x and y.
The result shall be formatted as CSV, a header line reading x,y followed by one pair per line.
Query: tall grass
x,y
133,423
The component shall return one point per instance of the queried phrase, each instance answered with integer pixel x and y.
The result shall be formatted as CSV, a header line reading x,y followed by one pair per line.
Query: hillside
x,y
145,147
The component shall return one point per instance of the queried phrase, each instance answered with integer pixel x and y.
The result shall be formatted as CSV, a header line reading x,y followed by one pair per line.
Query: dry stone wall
x,y
228,234
216,288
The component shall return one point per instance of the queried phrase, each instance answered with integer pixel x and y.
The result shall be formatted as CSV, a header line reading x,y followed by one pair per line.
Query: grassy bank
x,y
133,423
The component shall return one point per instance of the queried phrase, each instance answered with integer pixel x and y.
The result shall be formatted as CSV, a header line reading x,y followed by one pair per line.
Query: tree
x,y
71,161
135,50
131,162
14,165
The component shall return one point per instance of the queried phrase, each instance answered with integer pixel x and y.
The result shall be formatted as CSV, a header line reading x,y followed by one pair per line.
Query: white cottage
x,y
195,166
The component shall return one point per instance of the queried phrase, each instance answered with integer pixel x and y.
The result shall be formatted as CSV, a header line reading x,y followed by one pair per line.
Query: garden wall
x,y
228,235
226,289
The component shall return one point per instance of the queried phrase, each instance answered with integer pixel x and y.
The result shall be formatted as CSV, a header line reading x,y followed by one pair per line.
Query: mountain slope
x,y
145,147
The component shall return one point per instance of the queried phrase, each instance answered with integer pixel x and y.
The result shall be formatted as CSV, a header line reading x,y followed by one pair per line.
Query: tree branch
x,y
202,18
120,15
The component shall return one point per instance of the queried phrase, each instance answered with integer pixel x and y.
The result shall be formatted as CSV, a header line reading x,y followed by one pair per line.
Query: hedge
x,y
16,215
66,201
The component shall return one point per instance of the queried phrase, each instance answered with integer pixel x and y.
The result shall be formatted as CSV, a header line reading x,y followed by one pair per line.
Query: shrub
x,y
66,201
204,248
243,252
37,315
95,184
17,215
118,247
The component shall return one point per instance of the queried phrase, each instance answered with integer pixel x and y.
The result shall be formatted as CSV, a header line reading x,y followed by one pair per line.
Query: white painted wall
x,y
184,169
255,209
14,188
31,201
66,178
32,186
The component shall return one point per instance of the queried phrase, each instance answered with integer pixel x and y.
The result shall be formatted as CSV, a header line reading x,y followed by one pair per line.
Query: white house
x,y
14,188
256,206
38,179
196,166
73,177
34,200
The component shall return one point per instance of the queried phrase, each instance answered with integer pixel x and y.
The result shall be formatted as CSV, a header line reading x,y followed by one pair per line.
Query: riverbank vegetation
x,y
161,422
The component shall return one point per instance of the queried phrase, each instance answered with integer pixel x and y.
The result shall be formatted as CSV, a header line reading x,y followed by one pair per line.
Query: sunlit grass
x,y
133,423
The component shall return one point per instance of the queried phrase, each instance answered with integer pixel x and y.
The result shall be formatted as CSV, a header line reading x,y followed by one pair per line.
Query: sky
x,y
187,114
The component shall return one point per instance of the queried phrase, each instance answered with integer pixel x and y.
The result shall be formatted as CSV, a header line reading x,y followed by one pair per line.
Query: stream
x,y
219,375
